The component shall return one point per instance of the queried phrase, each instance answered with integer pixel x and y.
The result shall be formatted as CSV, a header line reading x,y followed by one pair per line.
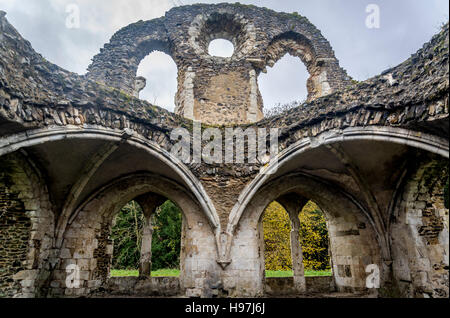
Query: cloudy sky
x,y
404,26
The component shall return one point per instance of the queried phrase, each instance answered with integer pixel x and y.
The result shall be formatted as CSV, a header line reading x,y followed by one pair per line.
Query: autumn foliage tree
x,y
277,227
166,241
313,238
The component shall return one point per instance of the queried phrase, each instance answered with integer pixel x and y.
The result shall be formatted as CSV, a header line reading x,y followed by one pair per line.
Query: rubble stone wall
x,y
403,230
26,229
215,90
420,235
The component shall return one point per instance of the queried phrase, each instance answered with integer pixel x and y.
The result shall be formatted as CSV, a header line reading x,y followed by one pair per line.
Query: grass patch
x,y
272,274
166,273
124,273
135,273
176,273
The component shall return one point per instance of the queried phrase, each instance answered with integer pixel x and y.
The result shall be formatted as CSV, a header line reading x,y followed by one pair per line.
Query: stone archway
x,y
354,145
87,245
351,230
218,90
321,81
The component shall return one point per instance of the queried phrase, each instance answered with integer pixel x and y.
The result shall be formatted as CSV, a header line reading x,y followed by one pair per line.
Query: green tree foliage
x,y
166,243
313,238
127,237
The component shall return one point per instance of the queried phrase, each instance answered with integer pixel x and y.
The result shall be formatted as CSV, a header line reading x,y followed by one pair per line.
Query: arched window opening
x,y
132,236
157,80
126,235
221,48
277,245
313,241
284,85
166,240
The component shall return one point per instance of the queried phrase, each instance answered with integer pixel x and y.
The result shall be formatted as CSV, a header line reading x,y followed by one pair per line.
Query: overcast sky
x,y
404,26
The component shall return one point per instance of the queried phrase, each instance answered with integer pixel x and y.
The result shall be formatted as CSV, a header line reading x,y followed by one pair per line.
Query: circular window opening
x,y
221,48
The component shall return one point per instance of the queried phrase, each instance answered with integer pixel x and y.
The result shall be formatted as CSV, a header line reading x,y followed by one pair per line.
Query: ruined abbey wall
x,y
420,233
75,149
215,90
27,227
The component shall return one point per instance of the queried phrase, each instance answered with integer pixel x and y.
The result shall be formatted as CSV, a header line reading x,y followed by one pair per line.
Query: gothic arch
x,y
86,239
354,242
42,136
297,45
118,62
400,136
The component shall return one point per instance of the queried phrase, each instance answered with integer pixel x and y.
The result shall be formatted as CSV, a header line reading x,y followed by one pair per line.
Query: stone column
x,y
297,254
145,262
293,204
149,203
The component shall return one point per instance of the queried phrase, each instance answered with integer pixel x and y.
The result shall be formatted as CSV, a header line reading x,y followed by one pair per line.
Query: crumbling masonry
x,y
75,149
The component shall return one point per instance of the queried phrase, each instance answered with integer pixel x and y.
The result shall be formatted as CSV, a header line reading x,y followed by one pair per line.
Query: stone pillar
x,y
145,263
293,204
297,254
149,203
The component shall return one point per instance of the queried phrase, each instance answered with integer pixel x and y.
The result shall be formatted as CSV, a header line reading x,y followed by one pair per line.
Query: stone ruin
x,y
75,149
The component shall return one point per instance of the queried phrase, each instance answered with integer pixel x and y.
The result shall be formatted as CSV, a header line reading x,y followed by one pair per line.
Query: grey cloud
x,y
363,52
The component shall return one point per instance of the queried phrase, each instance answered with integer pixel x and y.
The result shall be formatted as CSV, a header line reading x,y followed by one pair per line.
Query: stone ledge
x,y
284,286
135,286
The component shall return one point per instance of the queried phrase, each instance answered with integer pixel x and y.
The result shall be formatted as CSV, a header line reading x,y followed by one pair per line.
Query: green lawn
x,y
135,273
291,274
176,273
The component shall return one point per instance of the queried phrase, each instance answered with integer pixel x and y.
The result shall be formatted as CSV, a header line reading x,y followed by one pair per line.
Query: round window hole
x,y
221,48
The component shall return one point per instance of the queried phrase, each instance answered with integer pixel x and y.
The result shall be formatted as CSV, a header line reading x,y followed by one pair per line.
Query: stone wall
x,y
420,233
150,287
87,243
15,227
353,247
26,230
284,286
222,251
214,90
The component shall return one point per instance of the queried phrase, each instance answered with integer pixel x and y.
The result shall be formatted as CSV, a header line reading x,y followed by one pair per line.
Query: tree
x,y
277,227
313,238
166,242
127,237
